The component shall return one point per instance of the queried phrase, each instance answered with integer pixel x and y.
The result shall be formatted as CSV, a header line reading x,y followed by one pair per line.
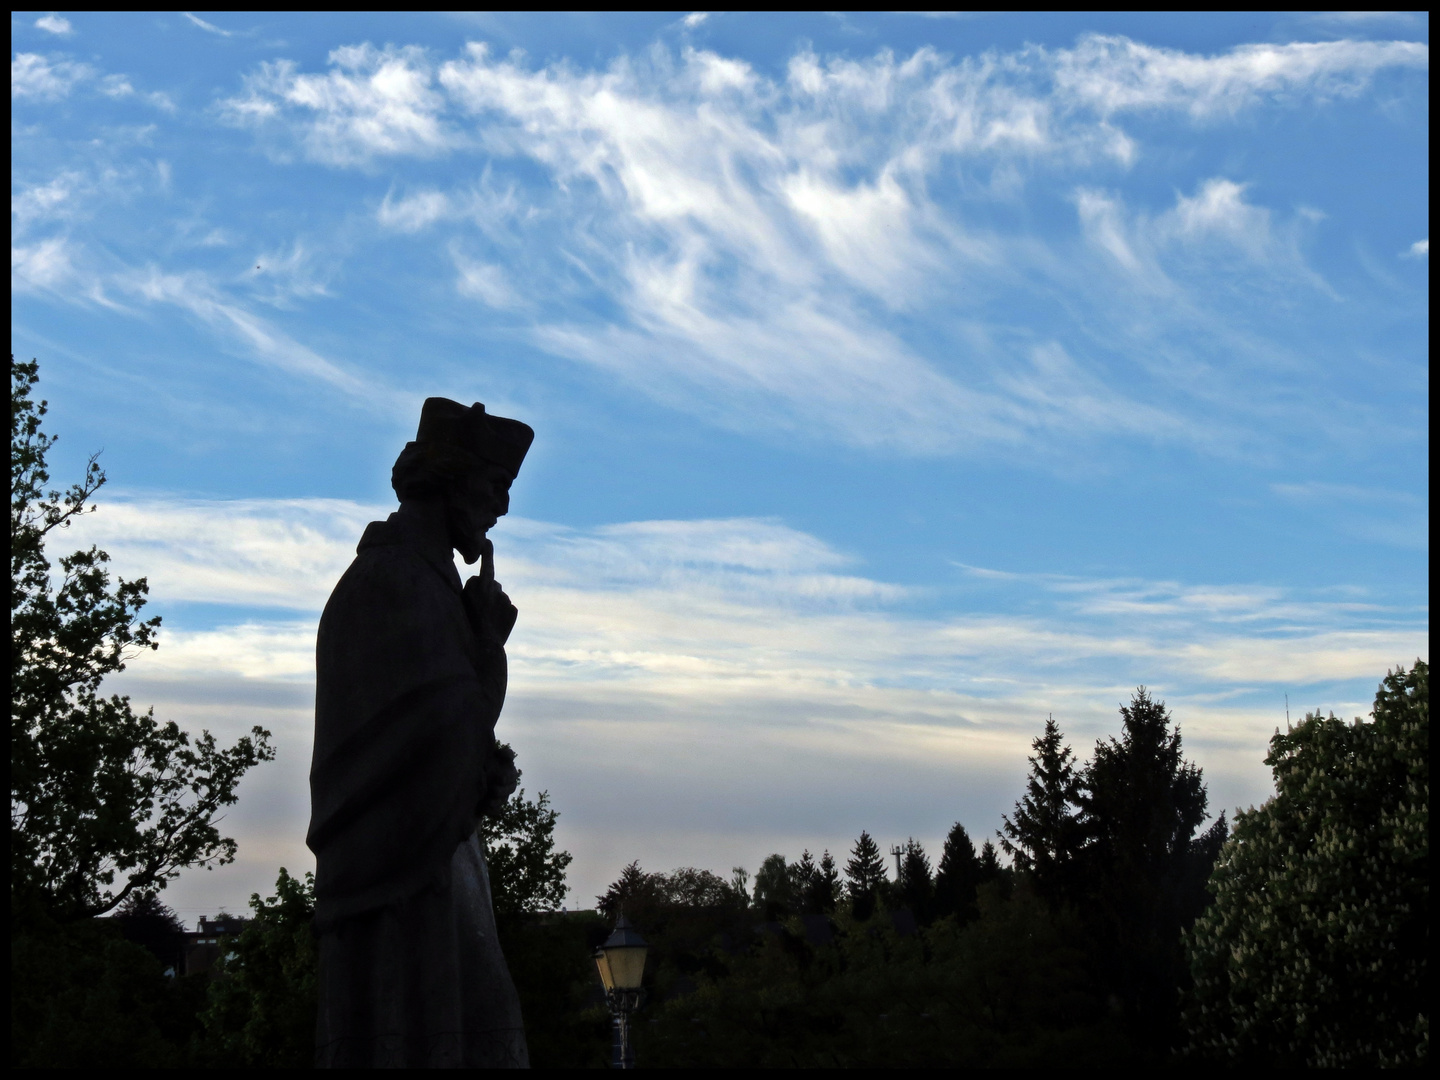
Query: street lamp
x,y
621,961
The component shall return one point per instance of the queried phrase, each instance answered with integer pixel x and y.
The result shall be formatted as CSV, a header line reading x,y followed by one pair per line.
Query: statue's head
x,y
465,459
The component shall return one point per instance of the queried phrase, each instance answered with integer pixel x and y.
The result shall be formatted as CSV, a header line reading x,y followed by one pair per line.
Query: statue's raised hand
x,y
491,612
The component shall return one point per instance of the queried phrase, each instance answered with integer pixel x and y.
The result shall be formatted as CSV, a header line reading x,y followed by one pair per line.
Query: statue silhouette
x,y
410,680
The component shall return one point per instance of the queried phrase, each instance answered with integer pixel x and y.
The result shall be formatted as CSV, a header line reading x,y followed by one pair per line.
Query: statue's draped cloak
x,y
409,684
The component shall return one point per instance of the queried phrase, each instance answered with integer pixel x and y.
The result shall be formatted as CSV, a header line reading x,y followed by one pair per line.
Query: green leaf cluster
x,y
1316,949
104,801
262,1000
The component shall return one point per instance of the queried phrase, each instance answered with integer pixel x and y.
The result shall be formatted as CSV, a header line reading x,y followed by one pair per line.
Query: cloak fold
x,y
407,696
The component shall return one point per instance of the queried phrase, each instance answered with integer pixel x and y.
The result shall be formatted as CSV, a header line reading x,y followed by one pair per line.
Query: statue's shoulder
x,y
390,571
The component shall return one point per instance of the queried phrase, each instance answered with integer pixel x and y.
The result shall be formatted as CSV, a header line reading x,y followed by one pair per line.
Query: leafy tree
x,y
916,886
261,1013
526,872
1316,950
957,877
645,898
1144,867
143,919
865,876
774,887
97,791
1044,836
81,996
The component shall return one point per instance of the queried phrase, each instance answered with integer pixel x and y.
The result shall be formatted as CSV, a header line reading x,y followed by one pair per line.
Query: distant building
x,y
202,945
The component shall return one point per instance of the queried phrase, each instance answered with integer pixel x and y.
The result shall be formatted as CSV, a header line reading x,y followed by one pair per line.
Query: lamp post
x,y
621,961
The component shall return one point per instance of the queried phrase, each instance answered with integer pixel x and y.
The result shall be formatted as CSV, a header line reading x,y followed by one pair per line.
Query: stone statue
x,y
410,678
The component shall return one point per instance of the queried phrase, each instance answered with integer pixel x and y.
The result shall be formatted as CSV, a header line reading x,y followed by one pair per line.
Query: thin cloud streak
x,y
767,243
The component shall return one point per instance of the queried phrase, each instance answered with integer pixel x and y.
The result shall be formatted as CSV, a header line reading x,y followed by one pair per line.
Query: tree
x,y
826,886
1316,950
97,791
989,864
865,876
916,885
526,872
803,876
957,877
1044,838
143,919
1144,868
261,1013
633,889
774,887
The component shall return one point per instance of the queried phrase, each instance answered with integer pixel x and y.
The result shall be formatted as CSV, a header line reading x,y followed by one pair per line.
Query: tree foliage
x,y
1316,950
957,878
775,887
98,792
1142,868
1044,836
261,1012
915,888
865,876
526,872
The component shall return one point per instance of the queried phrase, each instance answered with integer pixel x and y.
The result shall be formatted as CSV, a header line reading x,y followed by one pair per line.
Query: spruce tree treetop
x,y
865,876
957,876
104,802
1043,835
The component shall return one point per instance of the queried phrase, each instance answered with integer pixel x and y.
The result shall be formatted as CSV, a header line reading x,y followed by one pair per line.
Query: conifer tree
x,y
865,876
916,887
1144,869
957,877
827,885
802,882
990,868
1043,836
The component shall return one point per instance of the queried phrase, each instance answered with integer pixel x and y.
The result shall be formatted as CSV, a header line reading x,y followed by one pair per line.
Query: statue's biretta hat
x,y
493,439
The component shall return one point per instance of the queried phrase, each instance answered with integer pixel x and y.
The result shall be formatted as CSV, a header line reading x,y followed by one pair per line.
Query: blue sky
x,y
897,382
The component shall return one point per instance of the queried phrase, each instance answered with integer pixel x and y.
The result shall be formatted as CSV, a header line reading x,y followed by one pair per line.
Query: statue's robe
x,y
410,678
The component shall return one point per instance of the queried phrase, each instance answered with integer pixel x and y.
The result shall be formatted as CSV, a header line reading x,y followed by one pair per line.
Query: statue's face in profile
x,y
473,510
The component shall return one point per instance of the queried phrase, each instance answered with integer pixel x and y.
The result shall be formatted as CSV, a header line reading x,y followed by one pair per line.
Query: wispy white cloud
x,y
745,227
196,294
54,24
757,666
45,265
694,608
45,78
293,272
373,102
1420,249
44,202
758,249
207,26
485,282
416,211
1115,74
